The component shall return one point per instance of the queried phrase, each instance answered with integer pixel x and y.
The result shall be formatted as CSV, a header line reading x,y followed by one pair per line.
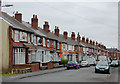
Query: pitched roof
x,y
16,24
21,26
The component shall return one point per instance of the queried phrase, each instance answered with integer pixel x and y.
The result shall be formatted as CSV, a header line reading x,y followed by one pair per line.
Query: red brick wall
x,y
10,48
50,65
51,43
60,46
34,67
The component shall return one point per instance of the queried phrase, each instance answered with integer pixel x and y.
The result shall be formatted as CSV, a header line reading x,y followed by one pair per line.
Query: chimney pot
x,y
56,31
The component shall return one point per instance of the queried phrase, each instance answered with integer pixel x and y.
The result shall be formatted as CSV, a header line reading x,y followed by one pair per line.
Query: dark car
x,y
102,66
114,63
73,64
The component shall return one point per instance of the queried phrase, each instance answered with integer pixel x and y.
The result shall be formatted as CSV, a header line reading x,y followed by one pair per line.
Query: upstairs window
x,y
44,42
39,41
48,45
58,45
54,44
12,34
67,47
16,36
23,36
34,39
75,47
28,38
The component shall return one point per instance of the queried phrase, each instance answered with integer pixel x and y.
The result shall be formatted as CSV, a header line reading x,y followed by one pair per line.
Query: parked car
x,y
91,60
72,64
84,64
114,63
102,66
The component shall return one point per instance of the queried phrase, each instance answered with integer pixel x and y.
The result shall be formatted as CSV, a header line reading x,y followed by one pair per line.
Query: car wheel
x,y
95,71
76,67
108,72
68,68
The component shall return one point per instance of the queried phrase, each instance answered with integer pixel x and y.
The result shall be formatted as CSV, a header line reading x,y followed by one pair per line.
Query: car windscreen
x,y
83,62
114,61
102,63
71,62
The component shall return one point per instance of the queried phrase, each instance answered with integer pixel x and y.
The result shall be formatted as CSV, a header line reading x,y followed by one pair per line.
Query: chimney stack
x,y
18,16
96,43
87,40
83,39
73,36
56,30
78,37
65,33
91,42
46,27
34,22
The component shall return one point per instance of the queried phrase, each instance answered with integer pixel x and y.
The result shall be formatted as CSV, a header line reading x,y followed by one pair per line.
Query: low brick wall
x,y
50,65
34,67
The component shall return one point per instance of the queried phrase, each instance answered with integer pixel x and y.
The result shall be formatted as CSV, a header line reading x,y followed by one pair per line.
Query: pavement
x,y
31,74
81,75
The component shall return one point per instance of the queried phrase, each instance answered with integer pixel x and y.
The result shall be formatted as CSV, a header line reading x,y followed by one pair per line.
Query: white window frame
x,y
48,43
18,54
21,36
54,44
32,37
16,36
28,37
35,40
58,45
33,53
44,42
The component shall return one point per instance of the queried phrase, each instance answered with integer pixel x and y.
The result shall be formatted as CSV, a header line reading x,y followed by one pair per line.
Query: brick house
x,y
28,45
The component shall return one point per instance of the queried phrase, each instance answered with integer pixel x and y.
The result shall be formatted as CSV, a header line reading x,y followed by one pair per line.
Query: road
x,y
80,75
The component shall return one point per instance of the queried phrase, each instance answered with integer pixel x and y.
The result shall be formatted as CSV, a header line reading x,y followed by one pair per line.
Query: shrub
x,y
64,62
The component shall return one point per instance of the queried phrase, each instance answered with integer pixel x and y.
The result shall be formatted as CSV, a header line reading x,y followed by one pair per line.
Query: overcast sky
x,y
96,20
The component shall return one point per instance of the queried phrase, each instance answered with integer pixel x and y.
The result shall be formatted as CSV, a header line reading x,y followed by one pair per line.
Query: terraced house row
x,y
27,45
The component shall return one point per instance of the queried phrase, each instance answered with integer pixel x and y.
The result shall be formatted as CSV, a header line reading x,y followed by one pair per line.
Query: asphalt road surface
x,y
73,75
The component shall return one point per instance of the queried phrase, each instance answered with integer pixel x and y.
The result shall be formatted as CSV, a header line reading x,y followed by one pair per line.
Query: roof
x,y
41,48
21,26
16,24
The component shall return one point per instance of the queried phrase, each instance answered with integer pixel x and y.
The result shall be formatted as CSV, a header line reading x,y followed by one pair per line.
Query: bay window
x,y
19,56
33,56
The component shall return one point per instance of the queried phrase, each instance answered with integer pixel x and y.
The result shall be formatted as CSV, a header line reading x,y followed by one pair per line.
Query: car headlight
x,y
106,68
97,67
